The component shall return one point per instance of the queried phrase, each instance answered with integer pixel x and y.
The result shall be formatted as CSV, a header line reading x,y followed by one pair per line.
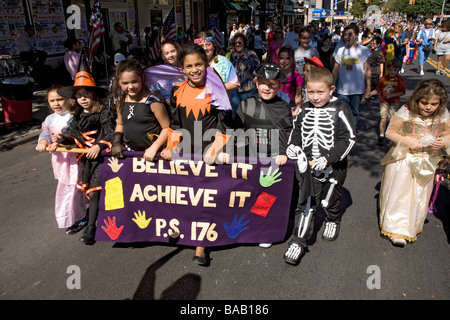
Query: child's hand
x,y
93,152
150,153
281,160
52,147
414,144
210,155
167,154
223,157
41,146
437,144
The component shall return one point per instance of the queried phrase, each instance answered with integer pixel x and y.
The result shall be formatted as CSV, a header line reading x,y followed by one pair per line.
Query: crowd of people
x,y
306,83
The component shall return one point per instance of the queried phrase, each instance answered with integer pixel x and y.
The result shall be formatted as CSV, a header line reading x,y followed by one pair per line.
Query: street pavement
x,y
38,261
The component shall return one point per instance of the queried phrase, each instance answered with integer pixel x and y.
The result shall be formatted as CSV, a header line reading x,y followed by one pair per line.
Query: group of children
x,y
318,135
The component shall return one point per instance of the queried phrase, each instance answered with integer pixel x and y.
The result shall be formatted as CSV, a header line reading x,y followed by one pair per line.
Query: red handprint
x,y
111,228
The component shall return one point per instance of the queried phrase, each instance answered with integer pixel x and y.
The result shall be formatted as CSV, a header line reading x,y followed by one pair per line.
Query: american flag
x,y
96,31
168,32
218,37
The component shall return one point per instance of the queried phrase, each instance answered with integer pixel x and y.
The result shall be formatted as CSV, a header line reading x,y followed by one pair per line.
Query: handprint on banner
x,y
270,178
113,163
140,219
236,227
111,228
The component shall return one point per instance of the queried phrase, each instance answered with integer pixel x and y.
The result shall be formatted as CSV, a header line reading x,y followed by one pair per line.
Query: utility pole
x,y
332,15
442,11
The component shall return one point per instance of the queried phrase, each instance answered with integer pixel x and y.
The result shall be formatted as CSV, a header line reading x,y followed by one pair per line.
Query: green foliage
x,y
425,8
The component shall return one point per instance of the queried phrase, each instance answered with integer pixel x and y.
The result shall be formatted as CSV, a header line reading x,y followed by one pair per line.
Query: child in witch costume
x,y
201,100
91,128
322,137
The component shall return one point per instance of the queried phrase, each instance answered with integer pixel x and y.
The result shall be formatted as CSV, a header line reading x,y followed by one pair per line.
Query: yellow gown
x,y
407,181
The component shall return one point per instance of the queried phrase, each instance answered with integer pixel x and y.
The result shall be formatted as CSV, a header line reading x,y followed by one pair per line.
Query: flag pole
x,y
106,60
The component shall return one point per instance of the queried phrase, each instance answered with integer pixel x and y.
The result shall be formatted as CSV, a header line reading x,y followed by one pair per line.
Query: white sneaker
x,y
331,231
398,242
294,253
421,73
265,245
402,70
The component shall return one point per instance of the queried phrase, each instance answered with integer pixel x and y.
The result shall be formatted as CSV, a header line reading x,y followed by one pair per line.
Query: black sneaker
x,y
76,227
202,260
294,253
331,231
88,236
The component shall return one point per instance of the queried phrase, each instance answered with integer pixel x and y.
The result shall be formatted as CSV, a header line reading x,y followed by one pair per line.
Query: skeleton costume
x,y
323,137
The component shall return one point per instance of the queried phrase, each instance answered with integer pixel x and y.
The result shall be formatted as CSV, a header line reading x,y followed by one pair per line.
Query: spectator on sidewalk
x,y
27,47
72,56
121,39
291,38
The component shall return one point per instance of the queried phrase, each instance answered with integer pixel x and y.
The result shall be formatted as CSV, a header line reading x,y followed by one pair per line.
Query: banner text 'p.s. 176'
x,y
193,203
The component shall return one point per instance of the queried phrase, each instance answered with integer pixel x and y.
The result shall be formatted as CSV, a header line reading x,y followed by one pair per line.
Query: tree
x,y
426,8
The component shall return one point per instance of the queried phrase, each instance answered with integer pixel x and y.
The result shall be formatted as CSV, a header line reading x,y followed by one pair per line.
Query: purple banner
x,y
192,203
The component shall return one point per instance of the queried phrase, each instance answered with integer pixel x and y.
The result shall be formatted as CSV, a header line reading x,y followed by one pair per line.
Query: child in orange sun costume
x,y
198,104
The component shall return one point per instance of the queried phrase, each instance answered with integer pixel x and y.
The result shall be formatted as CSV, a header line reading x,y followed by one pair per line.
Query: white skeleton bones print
x,y
318,130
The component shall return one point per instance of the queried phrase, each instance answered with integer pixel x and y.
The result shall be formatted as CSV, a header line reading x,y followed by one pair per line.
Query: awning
x,y
240,7
226,6
231,7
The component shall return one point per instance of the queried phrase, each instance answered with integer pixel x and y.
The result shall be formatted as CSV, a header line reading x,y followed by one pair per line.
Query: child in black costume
x,y
90,128
322,137
141,117
267,114
266,119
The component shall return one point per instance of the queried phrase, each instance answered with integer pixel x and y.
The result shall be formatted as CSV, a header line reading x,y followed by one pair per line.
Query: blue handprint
x,y
236,227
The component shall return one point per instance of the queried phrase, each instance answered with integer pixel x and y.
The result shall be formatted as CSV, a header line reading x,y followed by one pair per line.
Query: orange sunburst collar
x,y
193,99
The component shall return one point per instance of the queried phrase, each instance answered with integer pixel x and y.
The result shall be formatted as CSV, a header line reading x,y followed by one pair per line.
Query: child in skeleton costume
x,y
264,112
420,133
322,136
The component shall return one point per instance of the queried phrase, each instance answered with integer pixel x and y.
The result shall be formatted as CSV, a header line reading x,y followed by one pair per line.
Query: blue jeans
x,y
423,55
236,98
354,101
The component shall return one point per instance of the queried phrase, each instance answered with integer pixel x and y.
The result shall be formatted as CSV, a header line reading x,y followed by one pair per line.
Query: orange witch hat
x,y
82,80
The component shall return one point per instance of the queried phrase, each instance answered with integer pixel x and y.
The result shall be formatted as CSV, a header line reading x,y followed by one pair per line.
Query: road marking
x,y
434,64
